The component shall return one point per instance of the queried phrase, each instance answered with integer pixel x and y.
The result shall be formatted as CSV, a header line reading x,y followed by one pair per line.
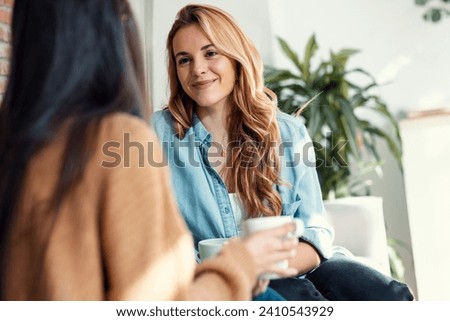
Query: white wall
x,y
143,12
427,172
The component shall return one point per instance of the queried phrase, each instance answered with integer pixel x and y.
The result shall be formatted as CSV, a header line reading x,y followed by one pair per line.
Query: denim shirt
x,y
202,195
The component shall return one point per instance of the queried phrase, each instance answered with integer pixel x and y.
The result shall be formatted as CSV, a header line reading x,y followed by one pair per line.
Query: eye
x,y
211,53
183,61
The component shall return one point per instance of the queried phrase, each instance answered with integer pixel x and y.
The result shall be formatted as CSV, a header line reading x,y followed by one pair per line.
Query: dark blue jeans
x,y
269,295
342,279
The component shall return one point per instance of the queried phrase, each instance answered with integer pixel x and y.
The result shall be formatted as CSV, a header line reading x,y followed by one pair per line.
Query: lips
x,y
203,83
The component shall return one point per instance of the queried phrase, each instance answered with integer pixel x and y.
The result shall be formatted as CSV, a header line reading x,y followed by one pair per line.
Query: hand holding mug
x,y
272,241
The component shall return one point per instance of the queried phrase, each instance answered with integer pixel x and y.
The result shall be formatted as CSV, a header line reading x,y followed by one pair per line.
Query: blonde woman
x,y
234,156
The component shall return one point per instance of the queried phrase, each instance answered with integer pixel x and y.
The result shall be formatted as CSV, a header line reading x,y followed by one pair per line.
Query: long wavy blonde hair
x,y
253,166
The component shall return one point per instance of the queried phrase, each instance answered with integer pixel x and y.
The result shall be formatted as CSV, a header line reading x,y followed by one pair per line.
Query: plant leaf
x,y
395,150
277,75
293,57
350,124
310,50
341,57
421,2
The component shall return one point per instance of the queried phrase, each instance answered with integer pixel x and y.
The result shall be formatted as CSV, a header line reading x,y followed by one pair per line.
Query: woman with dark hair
x,y
85,212
239,157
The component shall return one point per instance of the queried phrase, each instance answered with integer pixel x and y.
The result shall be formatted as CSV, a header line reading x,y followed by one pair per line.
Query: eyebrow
x,y
182,53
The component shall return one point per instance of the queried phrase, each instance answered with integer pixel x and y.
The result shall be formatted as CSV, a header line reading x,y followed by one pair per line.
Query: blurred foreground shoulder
x,y
119,124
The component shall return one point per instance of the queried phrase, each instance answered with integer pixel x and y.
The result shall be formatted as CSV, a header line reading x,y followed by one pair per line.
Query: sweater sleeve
x,y
228,276
146,246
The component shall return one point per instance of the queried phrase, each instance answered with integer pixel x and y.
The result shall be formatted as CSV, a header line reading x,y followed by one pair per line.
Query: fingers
x,y
273,242
260,287
277,245
279,255
287,244
280,249
271,247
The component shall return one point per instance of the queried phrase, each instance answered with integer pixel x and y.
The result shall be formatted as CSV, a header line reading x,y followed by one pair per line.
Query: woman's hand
x,y
260,287
271,246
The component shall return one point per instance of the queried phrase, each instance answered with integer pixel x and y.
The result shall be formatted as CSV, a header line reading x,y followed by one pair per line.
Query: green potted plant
x,y
331,105
339,106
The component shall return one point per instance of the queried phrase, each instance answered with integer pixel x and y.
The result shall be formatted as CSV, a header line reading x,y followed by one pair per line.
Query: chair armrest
x,y
359,227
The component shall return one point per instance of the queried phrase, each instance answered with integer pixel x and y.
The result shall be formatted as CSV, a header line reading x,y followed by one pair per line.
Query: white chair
x,y
360,230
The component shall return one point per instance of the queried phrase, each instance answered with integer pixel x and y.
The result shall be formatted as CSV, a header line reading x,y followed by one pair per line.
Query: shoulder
x,y
123,120
162,121
125,142
120,125
291,126
161,115
126,138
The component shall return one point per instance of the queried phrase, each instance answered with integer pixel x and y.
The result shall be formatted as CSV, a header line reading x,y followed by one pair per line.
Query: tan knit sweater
x,y
118,234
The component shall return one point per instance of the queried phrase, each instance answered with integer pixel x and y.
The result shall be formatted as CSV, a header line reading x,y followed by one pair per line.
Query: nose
x,y
199,67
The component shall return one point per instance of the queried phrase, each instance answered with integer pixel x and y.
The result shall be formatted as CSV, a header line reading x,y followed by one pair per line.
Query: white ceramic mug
x,y
210,247
257,224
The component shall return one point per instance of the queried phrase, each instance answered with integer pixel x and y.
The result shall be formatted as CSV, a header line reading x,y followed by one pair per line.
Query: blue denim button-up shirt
x,y
202,195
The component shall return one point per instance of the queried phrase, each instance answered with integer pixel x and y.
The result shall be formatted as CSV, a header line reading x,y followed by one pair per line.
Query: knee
x,y
398,291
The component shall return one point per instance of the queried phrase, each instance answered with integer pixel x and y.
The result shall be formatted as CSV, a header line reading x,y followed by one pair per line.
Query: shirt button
x,y
226,210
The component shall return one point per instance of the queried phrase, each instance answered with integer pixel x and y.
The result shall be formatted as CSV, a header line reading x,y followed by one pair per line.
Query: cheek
x,y
183,79
228,71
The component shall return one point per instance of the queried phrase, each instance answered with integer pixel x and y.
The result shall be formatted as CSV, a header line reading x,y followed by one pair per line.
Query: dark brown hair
x,y
76,60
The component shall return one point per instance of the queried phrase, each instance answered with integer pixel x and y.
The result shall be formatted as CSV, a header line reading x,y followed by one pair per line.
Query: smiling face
x,y
206,75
